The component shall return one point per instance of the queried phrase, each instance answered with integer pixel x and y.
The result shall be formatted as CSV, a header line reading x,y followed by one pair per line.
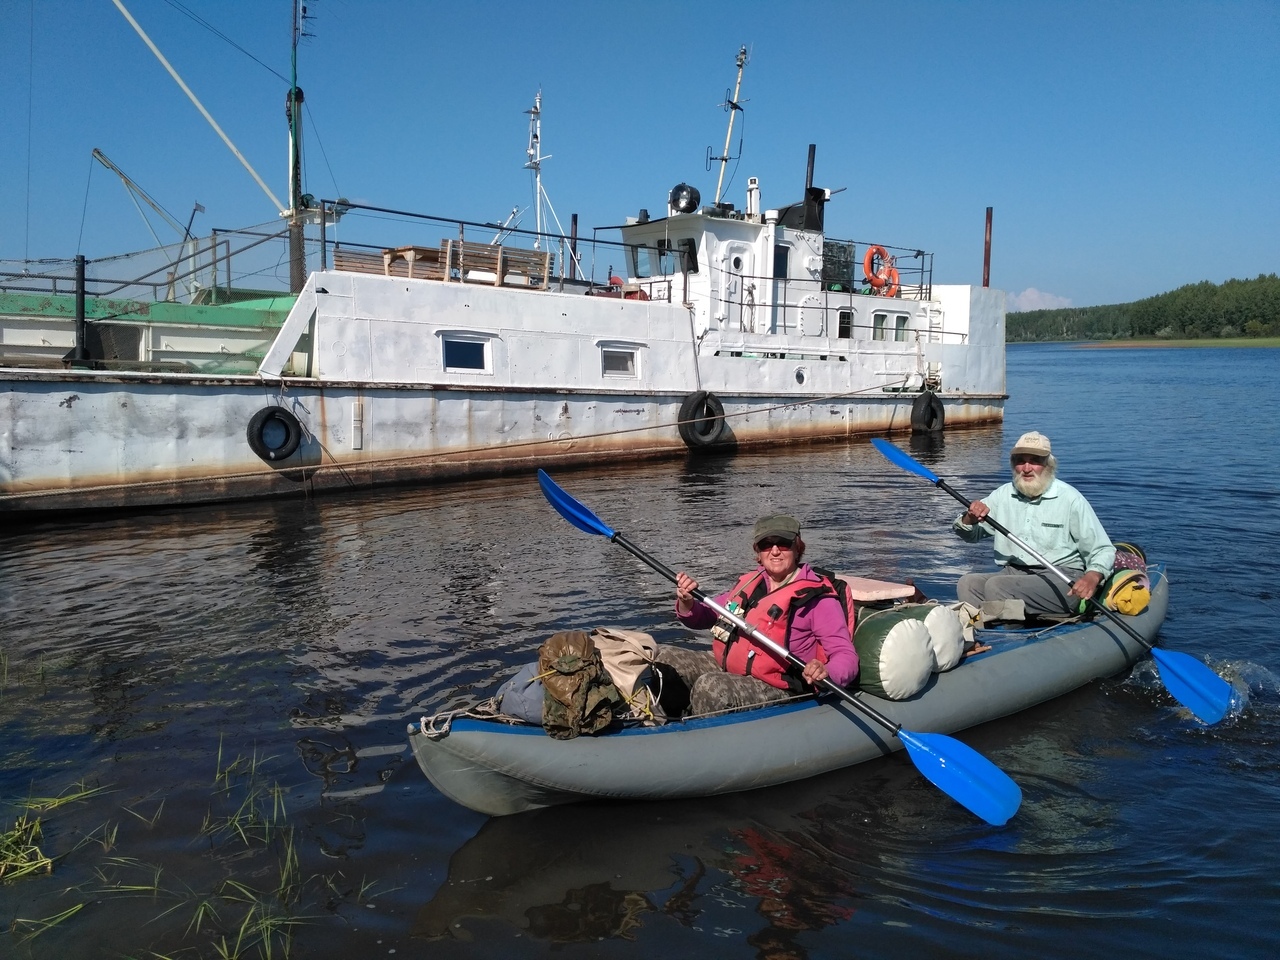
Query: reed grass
x,y
149,821
253,913
36,927
20,853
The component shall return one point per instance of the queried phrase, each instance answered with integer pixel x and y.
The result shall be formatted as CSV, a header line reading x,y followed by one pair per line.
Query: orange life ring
x,y
885,279
891,283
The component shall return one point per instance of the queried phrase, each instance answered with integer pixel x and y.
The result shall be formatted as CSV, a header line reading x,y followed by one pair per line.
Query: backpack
x,y
580,696
629,657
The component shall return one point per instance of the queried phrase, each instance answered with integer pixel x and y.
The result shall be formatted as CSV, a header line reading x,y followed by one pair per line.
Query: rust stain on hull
x,y
330,470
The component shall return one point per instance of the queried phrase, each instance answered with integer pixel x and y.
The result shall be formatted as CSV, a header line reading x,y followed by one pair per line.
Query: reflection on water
x,y
263,660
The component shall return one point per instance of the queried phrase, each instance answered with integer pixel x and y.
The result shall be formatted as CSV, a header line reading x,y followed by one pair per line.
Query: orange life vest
x,y
771,613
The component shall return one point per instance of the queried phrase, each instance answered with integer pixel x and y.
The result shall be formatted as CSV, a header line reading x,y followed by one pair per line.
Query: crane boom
x,y
137,190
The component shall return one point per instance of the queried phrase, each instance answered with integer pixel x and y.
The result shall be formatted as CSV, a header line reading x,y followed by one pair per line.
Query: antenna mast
x,y
734,106
293,111
534,163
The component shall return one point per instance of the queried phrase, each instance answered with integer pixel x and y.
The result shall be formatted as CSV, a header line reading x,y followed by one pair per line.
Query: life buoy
x,y
274,434
883,278
927,414
701,419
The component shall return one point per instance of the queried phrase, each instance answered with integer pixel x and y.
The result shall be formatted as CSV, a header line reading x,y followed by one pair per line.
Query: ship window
x,y
665,257
689,248
618,363
465,354
645,262
845,331
878,322
781,255
900,328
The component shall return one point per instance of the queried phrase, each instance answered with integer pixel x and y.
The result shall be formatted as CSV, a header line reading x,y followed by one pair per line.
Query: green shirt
x,y
1060,525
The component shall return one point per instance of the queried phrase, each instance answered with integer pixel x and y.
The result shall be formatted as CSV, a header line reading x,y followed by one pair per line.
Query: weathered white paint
x,y
380,405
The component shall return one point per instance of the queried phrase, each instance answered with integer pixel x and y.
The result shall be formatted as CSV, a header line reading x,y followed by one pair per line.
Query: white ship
x,y
451,352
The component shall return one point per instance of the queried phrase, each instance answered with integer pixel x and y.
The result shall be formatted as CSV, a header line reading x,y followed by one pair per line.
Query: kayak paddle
x,y
1187,679
957,770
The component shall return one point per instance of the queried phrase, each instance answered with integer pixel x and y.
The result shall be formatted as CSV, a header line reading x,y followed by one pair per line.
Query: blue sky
x,y
1127,147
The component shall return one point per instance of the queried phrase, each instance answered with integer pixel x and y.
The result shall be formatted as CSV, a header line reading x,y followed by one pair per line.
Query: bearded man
x,y
1052,517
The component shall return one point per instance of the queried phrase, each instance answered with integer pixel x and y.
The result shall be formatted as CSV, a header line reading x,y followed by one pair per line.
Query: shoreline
x,y
1164,344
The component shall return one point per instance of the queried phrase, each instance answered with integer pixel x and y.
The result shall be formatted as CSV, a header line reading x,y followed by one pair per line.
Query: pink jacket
x,y
820,623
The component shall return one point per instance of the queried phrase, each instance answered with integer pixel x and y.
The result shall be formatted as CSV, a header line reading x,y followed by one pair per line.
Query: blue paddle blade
x,y
1193,684
903,460
569,508
965,775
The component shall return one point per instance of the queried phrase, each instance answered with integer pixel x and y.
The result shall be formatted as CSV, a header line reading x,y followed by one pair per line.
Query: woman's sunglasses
x,y
768,543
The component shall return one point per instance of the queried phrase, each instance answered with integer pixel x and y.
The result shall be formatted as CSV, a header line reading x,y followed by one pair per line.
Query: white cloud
x,y
1033,299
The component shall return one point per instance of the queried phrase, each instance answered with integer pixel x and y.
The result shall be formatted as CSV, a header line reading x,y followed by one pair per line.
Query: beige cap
x,y
1032,444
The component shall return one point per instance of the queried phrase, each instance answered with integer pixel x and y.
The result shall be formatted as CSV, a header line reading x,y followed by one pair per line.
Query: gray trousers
x,y
1042,592
711,690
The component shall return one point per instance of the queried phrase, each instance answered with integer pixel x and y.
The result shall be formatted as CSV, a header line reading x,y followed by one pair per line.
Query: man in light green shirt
x,y
1052,517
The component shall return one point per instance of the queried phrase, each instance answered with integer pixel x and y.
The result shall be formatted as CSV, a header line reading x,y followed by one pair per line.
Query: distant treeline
x,y
1237,308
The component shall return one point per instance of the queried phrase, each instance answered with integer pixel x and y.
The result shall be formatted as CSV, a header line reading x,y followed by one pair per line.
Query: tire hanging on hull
x,y
265,430
701,420
927,414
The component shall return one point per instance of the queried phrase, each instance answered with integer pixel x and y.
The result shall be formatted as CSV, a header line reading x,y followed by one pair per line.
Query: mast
x,y
734,107
293,112
534,163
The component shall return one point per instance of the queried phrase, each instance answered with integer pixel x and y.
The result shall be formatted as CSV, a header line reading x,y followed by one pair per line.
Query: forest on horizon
x,y
1205,310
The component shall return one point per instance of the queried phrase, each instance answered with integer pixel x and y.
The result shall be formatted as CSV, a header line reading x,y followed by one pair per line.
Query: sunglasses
x,y
768,543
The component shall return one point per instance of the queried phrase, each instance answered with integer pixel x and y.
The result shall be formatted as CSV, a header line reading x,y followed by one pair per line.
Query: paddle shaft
x,y
1023,545
758,637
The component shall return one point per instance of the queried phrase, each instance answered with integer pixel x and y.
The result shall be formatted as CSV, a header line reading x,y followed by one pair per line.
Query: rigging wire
x,y
315,132
222,36
31,95
315,129
84,210
737,161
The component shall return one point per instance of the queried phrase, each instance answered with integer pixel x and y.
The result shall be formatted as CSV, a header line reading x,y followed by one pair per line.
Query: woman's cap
x,y
780,526
1032,444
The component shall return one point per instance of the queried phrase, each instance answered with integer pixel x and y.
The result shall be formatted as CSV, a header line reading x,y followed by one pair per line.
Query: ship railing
x,y
227,265
445,248
819,307
844,261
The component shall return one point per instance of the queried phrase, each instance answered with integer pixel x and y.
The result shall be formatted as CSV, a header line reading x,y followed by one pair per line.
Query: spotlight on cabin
x,y
684,198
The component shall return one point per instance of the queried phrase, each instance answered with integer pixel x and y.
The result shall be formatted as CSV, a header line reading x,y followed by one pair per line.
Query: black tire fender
x,y
264,427
701,419
927,414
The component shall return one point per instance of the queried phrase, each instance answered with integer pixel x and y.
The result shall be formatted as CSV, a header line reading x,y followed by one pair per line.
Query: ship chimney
x,y
753,199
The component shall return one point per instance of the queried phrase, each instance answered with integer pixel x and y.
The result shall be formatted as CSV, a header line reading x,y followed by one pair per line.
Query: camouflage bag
x,y
580,697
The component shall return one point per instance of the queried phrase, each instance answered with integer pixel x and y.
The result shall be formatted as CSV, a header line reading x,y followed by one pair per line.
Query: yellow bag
x,y
1127,592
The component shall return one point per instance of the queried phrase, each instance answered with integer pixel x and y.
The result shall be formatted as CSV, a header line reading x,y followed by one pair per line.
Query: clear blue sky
x,y
1127,147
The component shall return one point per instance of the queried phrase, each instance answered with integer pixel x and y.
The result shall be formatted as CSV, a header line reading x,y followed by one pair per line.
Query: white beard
x,y
1034,489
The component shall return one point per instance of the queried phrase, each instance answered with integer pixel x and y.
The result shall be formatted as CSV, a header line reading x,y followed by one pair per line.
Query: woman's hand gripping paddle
x,y
1189,681
962,773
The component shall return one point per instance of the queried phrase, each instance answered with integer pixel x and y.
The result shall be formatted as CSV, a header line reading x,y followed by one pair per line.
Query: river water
x,y
219,695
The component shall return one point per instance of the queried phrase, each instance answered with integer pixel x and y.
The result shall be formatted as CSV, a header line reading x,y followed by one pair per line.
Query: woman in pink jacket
x,y
787,600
